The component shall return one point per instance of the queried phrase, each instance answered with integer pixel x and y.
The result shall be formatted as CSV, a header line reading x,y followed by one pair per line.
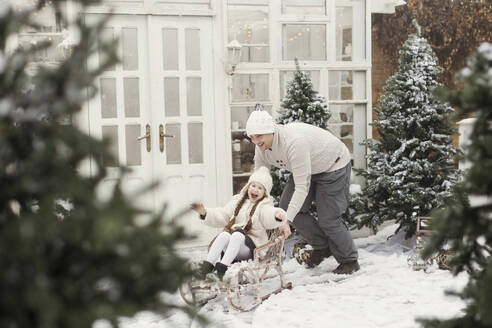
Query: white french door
x,y
157,109
182,93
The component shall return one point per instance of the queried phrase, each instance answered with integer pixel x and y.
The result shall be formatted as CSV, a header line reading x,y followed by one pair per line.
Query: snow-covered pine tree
x,y
68,258
301,104
411,168
464,223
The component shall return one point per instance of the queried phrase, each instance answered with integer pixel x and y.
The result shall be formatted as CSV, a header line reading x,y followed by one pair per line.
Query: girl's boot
x,y
221,269
202,271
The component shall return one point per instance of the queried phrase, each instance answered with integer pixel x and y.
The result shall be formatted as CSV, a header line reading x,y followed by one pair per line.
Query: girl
x,y
245,218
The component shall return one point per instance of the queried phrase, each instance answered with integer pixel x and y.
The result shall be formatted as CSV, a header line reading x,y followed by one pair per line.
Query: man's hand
x,y
285,229
199,208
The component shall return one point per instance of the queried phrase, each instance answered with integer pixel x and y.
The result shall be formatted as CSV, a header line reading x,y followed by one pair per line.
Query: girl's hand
x,y
199,208
285,230
280,216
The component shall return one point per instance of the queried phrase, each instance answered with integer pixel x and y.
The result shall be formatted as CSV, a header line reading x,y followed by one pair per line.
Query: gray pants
x,y
330,191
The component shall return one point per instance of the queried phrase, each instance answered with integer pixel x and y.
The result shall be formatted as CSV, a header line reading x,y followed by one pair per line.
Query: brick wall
x,y
382,68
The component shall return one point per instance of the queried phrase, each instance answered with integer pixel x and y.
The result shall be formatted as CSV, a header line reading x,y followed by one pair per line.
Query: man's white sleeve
x,y
299,157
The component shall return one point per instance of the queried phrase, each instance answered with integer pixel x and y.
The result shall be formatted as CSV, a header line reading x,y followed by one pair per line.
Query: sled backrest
x,y
272,250
423,226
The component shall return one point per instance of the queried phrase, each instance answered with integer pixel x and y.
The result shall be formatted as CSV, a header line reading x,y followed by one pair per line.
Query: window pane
x,y
303,7
110,133
132,96
133,146
250,87
344,33
341,114
341,123
130,48
346,85
170,49
248,2
195,143
350,32
108,97
243,153
304,42
287,76
250,29
48,19
194,96
173,145
239,183
360,129
106,36
240,114
192,44
171,96
52,53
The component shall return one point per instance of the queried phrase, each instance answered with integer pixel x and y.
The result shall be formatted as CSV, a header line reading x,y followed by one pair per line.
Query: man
x,y
320,166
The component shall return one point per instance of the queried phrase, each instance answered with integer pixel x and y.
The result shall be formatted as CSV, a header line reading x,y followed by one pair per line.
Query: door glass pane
x,y
304,42
287,76
133,146
106,36
250,87
132,96
194,96
130,48
170,49
250,28
110,133
303,7
173,145
171,96
195,142
341,123
108,97
192,44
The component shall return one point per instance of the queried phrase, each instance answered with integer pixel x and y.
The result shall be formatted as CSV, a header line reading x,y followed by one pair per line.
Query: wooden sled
x,y
415,260
245,284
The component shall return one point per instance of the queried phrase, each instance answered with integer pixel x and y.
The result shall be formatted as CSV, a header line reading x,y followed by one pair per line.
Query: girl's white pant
x,y
233,245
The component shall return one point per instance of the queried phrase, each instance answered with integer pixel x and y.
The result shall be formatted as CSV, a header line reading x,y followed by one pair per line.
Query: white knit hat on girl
x,y
262,175
259,122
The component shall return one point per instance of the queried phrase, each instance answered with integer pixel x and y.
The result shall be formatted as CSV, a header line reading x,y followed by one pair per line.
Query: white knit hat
x,y
262,175
259,122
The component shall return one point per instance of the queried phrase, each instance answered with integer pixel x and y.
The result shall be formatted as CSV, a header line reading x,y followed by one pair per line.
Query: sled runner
x,y
245,284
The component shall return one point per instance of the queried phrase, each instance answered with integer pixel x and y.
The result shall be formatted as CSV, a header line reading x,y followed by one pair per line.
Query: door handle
x,y
163,135
146,137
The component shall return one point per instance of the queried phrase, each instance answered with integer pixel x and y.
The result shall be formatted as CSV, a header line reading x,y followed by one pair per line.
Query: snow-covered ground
x,y
384,293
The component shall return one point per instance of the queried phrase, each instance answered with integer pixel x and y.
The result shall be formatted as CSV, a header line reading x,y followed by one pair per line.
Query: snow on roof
x,y
385,6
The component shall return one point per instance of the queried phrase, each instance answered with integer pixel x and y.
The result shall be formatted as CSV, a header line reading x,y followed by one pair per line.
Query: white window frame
x,y
276,65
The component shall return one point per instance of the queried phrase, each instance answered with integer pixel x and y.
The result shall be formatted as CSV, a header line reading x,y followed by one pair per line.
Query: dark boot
x,y
347,268
221,269
317,256
202,271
